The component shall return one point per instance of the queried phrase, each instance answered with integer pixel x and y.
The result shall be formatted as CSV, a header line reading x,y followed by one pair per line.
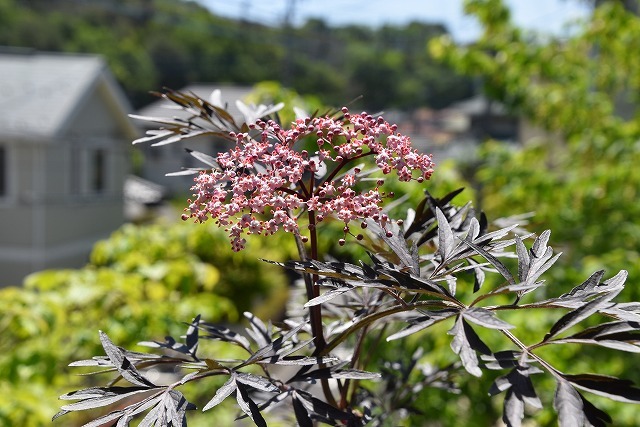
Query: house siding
x,y
56,207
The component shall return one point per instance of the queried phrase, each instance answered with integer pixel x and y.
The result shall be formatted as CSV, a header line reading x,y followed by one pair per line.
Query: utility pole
x,y
287,28
245,7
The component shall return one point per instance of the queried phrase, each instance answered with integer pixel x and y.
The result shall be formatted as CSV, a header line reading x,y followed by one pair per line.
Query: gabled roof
x,y
229,95
40,93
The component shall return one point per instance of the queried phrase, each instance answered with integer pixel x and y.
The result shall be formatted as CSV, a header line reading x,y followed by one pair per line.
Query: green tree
x,y
578,175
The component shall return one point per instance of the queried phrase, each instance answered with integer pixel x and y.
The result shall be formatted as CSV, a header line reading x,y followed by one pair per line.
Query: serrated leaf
x,y
225,334
106,399
493,261
446,241
122,363
513,409
612,344
153,135
260,334
333,373
595,416
408,255
606,329
300,360
327,296
523,259
616,282
586,287
101,421
568,403
302,417
222,393
204,158
423,322
540,244
460,346
150,420
474,229
192,336
321,409
607,386
249,407
483,317
256,382
573,317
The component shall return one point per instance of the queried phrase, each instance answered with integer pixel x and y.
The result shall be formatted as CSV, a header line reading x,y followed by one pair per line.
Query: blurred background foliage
x,y
150,44
141,284
578,173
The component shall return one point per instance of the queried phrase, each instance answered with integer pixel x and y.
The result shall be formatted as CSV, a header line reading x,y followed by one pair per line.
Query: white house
x,y
64,149
158,161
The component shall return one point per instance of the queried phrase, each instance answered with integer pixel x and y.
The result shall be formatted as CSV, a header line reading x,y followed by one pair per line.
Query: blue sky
x,y
542,15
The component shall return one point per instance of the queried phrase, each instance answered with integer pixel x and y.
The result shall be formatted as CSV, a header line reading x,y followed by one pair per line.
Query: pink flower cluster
x,y
267,181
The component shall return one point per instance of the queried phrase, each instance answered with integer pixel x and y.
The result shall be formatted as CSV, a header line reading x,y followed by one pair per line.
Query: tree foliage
x,y
166,43
576,174
583,91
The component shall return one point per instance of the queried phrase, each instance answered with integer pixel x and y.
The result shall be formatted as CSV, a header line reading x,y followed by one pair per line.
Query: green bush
x,y
136,283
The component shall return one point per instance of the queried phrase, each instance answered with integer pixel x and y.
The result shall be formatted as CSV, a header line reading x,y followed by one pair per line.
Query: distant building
x,y
64,149
158,161
488,119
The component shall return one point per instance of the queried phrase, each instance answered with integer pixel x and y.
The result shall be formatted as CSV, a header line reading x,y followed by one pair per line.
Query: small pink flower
x,y
264,183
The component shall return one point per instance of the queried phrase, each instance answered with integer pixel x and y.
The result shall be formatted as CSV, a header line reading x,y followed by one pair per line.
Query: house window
x,y
3,171
76,171
99,171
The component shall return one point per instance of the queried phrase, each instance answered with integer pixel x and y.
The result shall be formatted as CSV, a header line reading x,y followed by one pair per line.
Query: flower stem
x,y
315,312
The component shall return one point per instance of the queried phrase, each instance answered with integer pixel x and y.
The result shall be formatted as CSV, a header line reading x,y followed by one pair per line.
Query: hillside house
x,y
158,161
64,149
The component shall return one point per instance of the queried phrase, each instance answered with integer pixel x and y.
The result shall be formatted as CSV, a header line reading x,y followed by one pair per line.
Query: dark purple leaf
x,y
322,410
204,158
607,329
523,259
107,398
222,393
493,261
446,241
192,336
302,417
248,406
260,333
225,334
124,365
603,385
513,411
539,247
587,287
256,382
573,317
483,317
460,345
419,323
568,403
597,417
327,296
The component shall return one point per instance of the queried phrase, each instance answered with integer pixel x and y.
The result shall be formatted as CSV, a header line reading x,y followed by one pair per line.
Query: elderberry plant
x,y
295,178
